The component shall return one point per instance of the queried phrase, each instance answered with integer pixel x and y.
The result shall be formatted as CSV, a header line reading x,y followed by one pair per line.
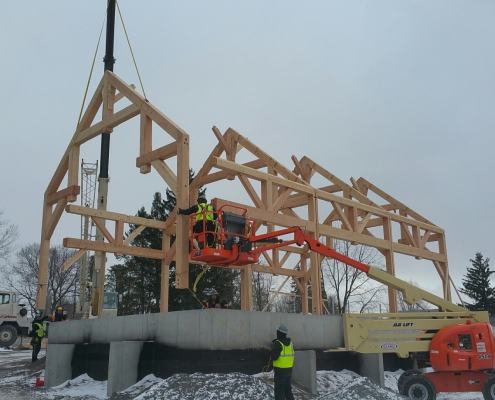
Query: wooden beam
x,y
103,229
55,217
120,96
162,153
86,121
221,140
112,216
250,191
387,197
271,162
75,257
151,111
166,173
218,176
113,248
347,189
145,142
110,123
133,235
69,191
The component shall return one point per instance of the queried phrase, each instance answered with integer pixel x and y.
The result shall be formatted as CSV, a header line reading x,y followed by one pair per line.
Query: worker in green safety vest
x,y
283,359
37,333
205,218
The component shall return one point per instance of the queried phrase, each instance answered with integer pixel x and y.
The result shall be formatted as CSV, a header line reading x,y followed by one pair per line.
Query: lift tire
x,y
489,388
404,376
419,387
8,335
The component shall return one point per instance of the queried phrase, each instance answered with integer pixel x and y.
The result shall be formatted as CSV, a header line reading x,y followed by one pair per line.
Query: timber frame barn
x,y
280,194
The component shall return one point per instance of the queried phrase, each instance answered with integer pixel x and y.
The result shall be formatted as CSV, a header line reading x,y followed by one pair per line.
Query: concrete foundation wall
x,y
58,365
371,366
304,370
205,329
123,365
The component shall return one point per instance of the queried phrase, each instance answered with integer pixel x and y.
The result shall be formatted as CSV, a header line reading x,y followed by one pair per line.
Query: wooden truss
x,y
280,197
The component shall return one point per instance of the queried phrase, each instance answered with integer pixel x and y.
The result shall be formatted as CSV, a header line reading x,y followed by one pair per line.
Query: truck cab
x,y
13,318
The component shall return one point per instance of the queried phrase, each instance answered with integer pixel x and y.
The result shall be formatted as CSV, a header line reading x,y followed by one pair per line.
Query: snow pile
x,y
235,386
18,374
82,387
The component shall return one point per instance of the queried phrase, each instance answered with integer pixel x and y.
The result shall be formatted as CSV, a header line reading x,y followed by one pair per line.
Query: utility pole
x,y
103,178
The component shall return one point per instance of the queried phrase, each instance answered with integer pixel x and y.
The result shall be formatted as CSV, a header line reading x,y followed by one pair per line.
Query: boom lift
x,y
457,343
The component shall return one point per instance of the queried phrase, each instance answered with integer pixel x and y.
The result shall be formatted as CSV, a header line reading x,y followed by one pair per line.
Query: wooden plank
x,y
166,173
112,216
110,123
164,277
104,231
145,142
55,217
163,153
112,248
69,191
151,111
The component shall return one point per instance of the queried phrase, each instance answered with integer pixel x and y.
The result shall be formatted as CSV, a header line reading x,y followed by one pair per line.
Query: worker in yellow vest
x,y
205,217
283,360
37,333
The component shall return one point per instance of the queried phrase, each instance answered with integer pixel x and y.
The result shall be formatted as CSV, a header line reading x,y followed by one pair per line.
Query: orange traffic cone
x,y
39,382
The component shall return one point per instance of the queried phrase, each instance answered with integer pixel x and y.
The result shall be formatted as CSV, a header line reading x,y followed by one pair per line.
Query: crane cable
x,y
94,60
130,48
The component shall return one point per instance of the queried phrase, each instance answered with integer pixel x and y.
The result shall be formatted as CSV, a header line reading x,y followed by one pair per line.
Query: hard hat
x,y
59,308
283,328
202,199
38,313
212,292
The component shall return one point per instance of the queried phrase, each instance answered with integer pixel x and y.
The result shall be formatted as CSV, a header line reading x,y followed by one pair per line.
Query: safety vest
x,y
209,212
40,332
286,358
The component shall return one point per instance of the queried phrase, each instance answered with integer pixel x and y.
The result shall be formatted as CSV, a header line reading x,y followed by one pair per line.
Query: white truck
x,y
13,318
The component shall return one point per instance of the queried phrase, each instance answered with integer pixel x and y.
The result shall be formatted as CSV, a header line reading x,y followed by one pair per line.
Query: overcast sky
x,y
400,93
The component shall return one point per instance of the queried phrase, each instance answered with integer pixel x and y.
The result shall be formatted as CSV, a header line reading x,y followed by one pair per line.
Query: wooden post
x,y
164,274
182,193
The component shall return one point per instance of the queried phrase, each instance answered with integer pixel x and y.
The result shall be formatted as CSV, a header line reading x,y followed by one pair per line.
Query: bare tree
x,y
347,283
22,275
8,235
262,284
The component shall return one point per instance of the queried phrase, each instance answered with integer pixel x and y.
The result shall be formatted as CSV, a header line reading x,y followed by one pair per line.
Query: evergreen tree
x,y
477,285
138,279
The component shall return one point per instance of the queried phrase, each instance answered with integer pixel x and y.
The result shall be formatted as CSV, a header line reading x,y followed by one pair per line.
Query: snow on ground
x,y
18,374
